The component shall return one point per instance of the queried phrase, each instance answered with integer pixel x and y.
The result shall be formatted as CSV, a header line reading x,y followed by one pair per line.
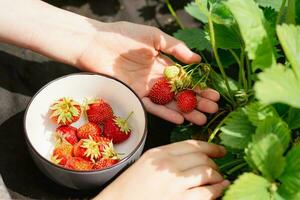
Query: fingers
x,y
209,192
163,111
192,160
194,116
200,175
208,94
206,105
176,48
191,146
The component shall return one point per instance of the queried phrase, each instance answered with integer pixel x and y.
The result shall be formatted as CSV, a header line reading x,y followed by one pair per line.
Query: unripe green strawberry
x,y
171,72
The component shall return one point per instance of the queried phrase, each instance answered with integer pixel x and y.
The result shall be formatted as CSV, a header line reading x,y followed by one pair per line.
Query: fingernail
x,y
225,183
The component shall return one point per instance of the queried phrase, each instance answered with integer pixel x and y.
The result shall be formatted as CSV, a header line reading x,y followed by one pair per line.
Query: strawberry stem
x,y
128,116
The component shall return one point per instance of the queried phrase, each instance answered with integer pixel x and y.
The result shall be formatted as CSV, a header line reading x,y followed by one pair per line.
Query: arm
x,y
43,28
127,51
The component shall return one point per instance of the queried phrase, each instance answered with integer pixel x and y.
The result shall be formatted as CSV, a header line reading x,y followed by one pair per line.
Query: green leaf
x,y
276,4
217,82
293,118
238,130
221,14
226,37
257,112
194,10
291,175
283,194
261,155
251,22
278,84
274,125
249,187
291,12
289,37
194,38
297,12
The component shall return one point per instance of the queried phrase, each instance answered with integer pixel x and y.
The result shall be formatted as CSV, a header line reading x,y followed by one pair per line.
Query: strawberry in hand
x,y
117,129
161,93
66,133
98,111
65,111
186,101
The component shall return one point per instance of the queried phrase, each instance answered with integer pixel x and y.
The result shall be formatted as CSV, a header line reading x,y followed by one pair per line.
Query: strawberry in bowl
x,y
66,138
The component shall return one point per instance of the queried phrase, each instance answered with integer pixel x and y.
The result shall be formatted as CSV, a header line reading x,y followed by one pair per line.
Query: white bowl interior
x,y
40,128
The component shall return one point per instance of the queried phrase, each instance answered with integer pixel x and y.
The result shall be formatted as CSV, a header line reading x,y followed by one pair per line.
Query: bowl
x,y
39,128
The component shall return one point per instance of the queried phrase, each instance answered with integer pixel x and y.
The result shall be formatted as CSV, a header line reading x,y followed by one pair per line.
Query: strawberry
x,y
77,163
66,133
161,92
92,150
87,130
62,153
65,111
98,111
117,129
186,100
105,162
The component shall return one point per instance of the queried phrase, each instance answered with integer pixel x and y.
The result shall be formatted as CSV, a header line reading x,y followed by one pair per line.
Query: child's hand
x,y
181,170
132,53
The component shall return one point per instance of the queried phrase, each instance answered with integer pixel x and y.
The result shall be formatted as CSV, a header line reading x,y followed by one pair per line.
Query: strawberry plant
x,y
251,49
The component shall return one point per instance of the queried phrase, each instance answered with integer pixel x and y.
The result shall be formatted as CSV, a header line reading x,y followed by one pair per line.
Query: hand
x,y
177,171
132,53
129,52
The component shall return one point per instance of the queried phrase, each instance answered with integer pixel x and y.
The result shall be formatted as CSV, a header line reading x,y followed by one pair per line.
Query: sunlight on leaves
x,y
238,130
251,21
249,187
278,84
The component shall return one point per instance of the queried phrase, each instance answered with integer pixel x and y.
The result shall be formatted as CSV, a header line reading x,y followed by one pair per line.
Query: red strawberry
x,y
78,163
92,150
62,153
66,133
98,111
186,100
161,92
87,130
117,129
65,111
105,162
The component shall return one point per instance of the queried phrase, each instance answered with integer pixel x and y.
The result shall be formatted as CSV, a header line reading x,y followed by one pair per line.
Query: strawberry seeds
x,y
91,146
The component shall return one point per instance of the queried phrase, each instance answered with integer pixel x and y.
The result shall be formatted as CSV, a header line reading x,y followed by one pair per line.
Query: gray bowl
x,y
39,129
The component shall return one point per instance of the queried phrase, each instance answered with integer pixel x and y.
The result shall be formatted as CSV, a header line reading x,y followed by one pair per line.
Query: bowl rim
x,y
145,132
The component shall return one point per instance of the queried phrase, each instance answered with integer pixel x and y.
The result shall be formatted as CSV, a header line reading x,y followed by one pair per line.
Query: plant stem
x,y
234,169
212,120
242,71
249,72
173,13
204,58
279,15
214,133
220,65
130,114
231,163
